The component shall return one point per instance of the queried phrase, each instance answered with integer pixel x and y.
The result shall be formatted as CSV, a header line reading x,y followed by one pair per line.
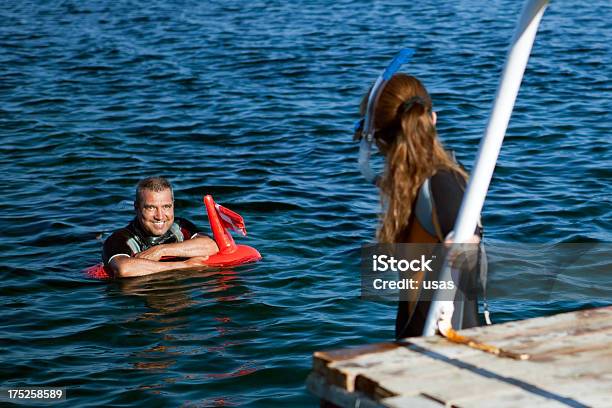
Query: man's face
x,y
156,211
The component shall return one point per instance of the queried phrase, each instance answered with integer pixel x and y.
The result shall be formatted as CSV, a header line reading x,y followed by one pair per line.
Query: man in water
x,y
153,234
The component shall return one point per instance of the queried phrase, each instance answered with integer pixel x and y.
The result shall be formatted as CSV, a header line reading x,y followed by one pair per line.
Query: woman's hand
x,y
449,240
468,249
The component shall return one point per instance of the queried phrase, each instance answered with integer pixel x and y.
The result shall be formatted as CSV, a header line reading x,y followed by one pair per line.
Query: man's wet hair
x,y
156,184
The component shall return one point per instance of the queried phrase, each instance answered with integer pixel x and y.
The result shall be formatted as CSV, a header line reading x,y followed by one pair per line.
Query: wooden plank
x,y
321,359
571,365
550,358
577,357
571,323
366,371
543,346
566,376
417,401
442,346
453,384
457,385
586,379
592,345
547,348
328,356
343,373
591,393
410,366
338,396
318,385
512,399
563,377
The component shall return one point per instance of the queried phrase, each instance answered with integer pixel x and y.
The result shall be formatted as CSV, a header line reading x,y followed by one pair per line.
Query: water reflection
x,y
169,293
171,340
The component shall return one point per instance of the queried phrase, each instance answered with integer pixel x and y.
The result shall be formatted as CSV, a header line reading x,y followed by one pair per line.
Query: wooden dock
x,y
570,364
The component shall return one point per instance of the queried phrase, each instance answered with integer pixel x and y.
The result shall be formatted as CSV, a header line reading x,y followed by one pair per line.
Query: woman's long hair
x,y
406,135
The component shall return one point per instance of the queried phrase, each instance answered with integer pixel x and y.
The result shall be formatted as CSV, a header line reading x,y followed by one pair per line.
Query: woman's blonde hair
x,y
406,135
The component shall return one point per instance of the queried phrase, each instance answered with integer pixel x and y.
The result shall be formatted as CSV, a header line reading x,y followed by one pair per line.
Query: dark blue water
x,y
253,102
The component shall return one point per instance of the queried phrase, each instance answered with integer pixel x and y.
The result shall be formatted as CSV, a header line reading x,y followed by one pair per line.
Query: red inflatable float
x,y
221,219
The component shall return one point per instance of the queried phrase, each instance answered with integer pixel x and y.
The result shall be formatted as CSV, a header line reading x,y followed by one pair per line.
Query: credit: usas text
x,y
405,271
404,284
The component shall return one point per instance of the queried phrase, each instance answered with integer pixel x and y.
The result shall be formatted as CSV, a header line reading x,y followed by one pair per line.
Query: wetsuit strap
x,y
175,229
483,267
424,210
434,217
136,245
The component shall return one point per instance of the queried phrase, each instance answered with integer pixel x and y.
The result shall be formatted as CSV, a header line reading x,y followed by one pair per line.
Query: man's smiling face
x,y
155,211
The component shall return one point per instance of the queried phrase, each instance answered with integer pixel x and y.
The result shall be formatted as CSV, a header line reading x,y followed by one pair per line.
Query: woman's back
x,y
422,185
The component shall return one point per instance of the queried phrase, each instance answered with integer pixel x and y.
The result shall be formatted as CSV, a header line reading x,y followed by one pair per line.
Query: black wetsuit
x,y
133,239
447,192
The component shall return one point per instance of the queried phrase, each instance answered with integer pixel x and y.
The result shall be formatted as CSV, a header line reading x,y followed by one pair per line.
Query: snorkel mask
x,y
366,124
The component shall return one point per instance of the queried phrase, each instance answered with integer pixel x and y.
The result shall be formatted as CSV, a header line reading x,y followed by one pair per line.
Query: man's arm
x,y
125,266
197,247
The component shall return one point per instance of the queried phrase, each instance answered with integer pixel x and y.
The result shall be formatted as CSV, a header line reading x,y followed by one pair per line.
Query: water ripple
x,y
254,103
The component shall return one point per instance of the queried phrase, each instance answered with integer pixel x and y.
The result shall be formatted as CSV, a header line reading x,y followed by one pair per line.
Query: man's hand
x,y
197,247
210,246
147,262
155,253
196,261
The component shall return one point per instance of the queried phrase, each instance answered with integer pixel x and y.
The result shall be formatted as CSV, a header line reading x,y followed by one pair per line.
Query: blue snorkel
x,y
367,123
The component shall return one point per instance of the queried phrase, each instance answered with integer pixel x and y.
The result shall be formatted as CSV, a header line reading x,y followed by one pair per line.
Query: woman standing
x,y
422,185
